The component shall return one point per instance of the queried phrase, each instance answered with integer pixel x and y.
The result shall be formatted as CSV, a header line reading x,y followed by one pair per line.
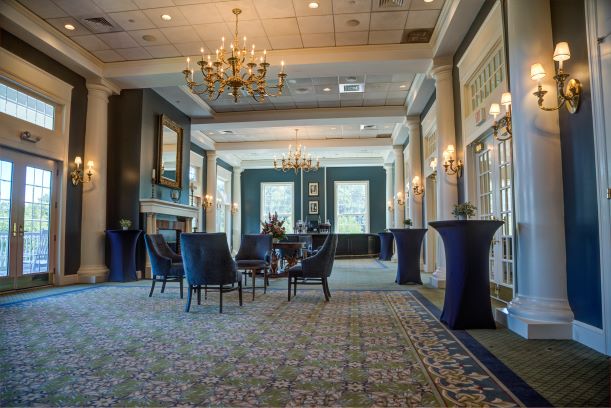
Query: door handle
x,y
14,229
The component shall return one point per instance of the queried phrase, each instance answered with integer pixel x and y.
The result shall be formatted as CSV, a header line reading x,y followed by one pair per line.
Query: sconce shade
x,y
562,53
78,161
450,149
495,109
433,164
416,180
506,98
537,72
90,164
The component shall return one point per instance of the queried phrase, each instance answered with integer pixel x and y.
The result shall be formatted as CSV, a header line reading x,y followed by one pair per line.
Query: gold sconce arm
x,y
568,96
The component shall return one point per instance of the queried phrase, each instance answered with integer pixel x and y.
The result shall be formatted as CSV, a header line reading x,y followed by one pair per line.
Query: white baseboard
x,y
590,336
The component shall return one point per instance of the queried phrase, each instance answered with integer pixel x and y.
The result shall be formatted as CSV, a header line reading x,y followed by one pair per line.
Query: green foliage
x,y
465,209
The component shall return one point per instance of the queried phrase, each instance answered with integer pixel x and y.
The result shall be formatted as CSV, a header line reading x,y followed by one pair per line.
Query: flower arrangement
x,y
274,226
125,223
408,222
464,210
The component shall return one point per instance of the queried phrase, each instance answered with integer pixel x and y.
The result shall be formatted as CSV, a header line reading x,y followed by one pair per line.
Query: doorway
x,y
430,214
27,220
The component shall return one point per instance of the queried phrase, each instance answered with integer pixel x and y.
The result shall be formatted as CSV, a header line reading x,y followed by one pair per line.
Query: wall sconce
x,y
400,199
505,121
570,96
77,175
391,206
448,163
234,208
208,202
417,186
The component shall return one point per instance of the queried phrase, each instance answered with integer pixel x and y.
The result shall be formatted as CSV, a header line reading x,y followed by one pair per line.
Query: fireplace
x,y
171,231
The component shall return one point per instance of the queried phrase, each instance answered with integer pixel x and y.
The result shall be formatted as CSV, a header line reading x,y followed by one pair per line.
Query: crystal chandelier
x,y
297,159
234,70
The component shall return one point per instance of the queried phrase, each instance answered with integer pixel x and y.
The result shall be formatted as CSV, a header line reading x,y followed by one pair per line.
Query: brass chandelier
x,y
235,70
297,159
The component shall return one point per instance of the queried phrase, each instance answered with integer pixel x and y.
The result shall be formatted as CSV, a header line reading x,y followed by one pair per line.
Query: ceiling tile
x,y
395,101
108,56
351,6
389,20
90,42
357,38
191,49
398,94
274,8
118,40
377,87
247,7
302,9
250,29
177,17
44,8
351,22
282,42
351,96
132,20
385,37
325,80
403,77
326,98
281,26
145,4
136,53
422,19
372,79
318,40
79,8
111,6
332,89
162,51
59,23
422,5
315,24
201,13
213,32
351,79
351,103
261,43
375,95
182,34
149,37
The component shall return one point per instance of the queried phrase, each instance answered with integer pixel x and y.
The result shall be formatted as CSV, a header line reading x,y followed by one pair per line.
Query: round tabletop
x,y
289,245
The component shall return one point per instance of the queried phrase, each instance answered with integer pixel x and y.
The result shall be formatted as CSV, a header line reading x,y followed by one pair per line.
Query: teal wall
x,y
251,193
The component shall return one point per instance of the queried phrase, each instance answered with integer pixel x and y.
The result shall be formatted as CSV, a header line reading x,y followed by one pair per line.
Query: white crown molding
x,y
331,144
340,162
454,22
203,141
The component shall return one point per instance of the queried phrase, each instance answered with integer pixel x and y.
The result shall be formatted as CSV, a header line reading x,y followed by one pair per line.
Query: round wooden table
x,y
292,251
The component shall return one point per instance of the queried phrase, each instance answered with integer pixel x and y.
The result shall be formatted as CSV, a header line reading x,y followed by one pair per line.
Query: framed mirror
x,y
169,154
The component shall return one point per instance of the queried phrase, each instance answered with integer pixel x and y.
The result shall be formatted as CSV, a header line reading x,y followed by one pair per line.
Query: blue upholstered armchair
x,y
208,263
253,256
166,265
316,269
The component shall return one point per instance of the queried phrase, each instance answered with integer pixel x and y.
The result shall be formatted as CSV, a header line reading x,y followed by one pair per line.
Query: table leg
x,y
274,263
253,272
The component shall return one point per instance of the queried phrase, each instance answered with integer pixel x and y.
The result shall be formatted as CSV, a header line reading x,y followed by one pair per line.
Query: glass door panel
x,y
37,220
6,187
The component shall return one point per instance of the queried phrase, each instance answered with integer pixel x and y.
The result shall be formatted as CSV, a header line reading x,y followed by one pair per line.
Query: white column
x,y
415,165
237,198
93,267
211,190
399,185
389,194
540,308
447,191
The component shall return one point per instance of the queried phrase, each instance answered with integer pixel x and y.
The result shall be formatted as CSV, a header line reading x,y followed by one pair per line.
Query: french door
x,y
495,201
27,220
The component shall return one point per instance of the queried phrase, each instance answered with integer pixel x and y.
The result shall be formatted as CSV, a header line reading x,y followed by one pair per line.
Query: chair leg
x,y
324,289
264,280
221,299
295,286
199,295
327,287
165,279
181,279
205,292
188,305
152,286
240,291
252,271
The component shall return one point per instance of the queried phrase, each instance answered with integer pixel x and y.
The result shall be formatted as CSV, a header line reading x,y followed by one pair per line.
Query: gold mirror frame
x,y
175,184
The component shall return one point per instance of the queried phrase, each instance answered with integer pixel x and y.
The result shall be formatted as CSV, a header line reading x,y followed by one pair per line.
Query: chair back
x,y
321,264
162,247
328,249
207,259
254,247
160,263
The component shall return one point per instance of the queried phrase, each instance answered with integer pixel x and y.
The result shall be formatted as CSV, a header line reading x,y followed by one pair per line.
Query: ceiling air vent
x,y
226,132
369,127
383,136
391,3
99,25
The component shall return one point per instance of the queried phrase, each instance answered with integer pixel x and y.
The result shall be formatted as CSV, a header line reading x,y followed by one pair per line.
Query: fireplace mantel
x,y
155,206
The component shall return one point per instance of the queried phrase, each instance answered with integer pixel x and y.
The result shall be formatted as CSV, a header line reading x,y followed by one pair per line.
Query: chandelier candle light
x,y
234,70
297,159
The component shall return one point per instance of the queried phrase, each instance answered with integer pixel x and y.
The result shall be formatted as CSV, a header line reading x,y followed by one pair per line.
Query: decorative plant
x,y
125,223
464,210
274,226
407,222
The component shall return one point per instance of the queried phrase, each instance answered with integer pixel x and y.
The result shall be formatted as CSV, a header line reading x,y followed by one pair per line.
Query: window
x,y
278,197
486,80
25,107
352,206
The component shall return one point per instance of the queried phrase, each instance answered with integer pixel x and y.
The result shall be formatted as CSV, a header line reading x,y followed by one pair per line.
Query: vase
x,y
125,228
462,217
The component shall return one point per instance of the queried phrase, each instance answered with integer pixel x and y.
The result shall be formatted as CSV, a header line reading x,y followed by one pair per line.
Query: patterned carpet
x,y
112,345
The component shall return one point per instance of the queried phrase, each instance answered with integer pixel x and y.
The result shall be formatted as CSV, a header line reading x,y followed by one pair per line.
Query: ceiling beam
x,y
328,144
337,162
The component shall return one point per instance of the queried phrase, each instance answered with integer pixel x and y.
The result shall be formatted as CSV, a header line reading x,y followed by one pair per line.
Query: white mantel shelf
x,y
155,206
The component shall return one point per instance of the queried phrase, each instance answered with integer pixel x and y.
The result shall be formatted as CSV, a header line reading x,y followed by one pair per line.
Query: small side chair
x,y
253,256
166,265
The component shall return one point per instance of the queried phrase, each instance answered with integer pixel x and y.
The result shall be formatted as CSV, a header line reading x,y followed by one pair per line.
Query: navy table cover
x,y
123,255
386,241
409,243
467,248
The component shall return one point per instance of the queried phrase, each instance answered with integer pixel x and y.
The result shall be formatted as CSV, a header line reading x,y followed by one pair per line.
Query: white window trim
x,y
335,206
275,183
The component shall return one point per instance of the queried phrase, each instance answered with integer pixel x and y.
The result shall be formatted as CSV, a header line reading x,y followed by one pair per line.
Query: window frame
x,y
263,216
336,184
21,88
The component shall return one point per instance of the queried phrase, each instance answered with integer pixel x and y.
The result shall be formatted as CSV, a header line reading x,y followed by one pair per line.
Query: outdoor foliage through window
x,y
278,197
352,207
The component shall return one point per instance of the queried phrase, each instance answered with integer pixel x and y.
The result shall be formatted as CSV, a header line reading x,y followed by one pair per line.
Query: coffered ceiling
x,y
121,30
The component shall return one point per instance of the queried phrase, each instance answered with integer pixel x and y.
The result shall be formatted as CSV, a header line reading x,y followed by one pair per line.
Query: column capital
x,y
398,149
440,72
98,90
412,123
388,166
238,169
211,154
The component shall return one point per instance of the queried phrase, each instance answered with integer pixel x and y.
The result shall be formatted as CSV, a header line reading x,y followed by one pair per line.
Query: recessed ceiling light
x,y
402,86
353,22
166,17
313,5
333,128
69,27
327,89
428,1
149,38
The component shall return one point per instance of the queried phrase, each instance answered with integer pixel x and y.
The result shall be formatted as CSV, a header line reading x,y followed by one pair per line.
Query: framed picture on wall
x,y
313,207
313,191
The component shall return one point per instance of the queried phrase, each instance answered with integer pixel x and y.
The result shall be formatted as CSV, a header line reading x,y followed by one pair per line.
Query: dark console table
x,y
409,243
123,255
348,244
386,241
467,247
